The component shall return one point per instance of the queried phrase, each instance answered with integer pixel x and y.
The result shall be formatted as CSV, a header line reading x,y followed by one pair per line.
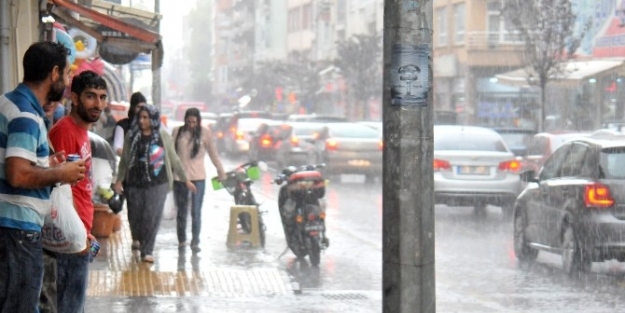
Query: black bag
x,y
116,202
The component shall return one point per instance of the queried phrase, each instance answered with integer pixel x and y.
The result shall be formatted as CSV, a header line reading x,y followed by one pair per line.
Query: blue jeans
x,y
21,270
71,282
181,194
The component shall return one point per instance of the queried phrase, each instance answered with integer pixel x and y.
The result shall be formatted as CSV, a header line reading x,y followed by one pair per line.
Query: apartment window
x,y
307,16
340,10
498,30
294,20
441,23
459,22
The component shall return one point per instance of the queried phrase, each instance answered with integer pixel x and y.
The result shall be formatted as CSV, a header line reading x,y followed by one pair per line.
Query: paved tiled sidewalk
x,y
117,271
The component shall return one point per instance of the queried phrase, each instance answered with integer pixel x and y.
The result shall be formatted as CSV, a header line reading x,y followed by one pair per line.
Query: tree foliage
x,y
547,29
359,60
298,74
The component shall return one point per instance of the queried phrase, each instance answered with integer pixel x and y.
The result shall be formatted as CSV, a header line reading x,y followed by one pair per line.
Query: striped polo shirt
x,y
23,134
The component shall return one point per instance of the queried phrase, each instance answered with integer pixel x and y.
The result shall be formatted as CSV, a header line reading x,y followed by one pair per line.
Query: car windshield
x,y
251,124
611,163
306,131
516,139
353,131
461,142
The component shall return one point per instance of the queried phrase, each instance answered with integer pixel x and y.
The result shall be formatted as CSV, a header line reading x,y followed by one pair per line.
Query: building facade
x,y
471,45
300,31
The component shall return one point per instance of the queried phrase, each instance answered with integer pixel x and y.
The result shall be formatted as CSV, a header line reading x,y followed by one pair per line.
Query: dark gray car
x,y
576,205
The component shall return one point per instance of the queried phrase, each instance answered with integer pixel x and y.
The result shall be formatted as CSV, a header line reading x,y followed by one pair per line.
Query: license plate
x,y
473,170
314,227
359,162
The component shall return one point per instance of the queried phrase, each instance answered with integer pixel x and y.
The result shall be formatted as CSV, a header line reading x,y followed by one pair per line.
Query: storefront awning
x,y
137,39
575,72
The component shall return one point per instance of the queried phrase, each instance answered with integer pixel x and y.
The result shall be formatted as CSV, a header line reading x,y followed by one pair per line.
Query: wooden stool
x,y
234,237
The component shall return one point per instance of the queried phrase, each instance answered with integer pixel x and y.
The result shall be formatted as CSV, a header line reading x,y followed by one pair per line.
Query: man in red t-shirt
x,y
70,134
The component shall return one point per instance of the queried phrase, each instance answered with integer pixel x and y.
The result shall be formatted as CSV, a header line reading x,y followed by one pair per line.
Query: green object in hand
x,y
216,183
253,172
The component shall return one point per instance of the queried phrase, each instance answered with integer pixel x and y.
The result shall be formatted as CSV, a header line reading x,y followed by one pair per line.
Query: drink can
x,y
73,157
93,250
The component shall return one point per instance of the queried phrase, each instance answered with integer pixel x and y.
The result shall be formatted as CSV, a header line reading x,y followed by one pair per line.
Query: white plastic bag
x,y
63,231
169,210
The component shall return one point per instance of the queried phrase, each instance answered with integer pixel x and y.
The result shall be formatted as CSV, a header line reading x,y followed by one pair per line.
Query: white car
x,y
474,167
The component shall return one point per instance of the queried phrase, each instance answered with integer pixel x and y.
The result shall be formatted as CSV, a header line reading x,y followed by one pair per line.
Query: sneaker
x,y
195,248
135,245
148,258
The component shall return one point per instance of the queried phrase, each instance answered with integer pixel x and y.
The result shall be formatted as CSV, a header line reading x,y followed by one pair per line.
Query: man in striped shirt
x,y
27,171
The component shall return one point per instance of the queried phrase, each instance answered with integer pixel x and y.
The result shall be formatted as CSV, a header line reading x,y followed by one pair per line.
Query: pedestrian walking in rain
x,y
193,141
137,100
28,172
70,134
146,166
122,128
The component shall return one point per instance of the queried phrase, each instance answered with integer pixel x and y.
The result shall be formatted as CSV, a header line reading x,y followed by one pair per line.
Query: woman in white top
x,y
192,142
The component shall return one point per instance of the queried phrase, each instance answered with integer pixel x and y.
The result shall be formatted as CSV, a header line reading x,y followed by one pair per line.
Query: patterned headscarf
x,y
135,132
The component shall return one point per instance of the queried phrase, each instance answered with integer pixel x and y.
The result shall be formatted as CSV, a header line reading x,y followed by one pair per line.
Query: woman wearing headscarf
x,y
123,126
146,167
193,141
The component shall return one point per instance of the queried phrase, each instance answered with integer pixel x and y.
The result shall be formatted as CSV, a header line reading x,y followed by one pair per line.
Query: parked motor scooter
x,y
303,210
237,183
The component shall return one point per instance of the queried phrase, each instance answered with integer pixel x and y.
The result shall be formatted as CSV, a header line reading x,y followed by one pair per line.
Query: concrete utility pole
x,y
5,46
408,188
156,69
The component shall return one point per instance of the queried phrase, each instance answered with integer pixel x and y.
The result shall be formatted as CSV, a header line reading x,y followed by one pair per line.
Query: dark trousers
x,y
181,196
145,210
21,270
47,299
71,282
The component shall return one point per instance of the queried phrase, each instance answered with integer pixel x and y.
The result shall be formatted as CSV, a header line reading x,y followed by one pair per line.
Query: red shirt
x,y
66,136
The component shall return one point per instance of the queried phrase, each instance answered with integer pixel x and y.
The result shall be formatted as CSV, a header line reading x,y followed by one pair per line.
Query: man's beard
x,y
57,90
84,114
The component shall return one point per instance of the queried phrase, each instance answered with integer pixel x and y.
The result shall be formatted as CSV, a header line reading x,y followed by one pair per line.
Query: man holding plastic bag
x,y
28,172
70,134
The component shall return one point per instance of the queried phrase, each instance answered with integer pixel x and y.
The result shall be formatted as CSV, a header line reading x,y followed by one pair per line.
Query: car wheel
x,y
506,211
574,260
522,250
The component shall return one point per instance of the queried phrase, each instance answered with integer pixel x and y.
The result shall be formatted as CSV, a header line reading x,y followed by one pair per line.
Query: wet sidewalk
x,y
215,272
217,279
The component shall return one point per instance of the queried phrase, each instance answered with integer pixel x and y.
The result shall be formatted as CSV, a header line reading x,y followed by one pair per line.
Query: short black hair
x,y
135,99
41,58
87,79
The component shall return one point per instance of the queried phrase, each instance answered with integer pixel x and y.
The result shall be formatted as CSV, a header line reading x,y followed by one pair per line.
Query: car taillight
x,y
331,145
381,145
265,141
512,166
441,165
294,141
239,135
598,195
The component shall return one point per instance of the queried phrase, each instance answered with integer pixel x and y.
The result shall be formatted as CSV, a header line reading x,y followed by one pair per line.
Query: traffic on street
x,y
476,266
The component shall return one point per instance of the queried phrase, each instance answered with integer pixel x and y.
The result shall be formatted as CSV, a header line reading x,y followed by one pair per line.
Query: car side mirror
x,y
529,176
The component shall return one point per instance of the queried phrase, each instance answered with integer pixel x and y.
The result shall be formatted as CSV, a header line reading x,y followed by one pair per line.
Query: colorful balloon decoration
x,y
85,44
65,39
